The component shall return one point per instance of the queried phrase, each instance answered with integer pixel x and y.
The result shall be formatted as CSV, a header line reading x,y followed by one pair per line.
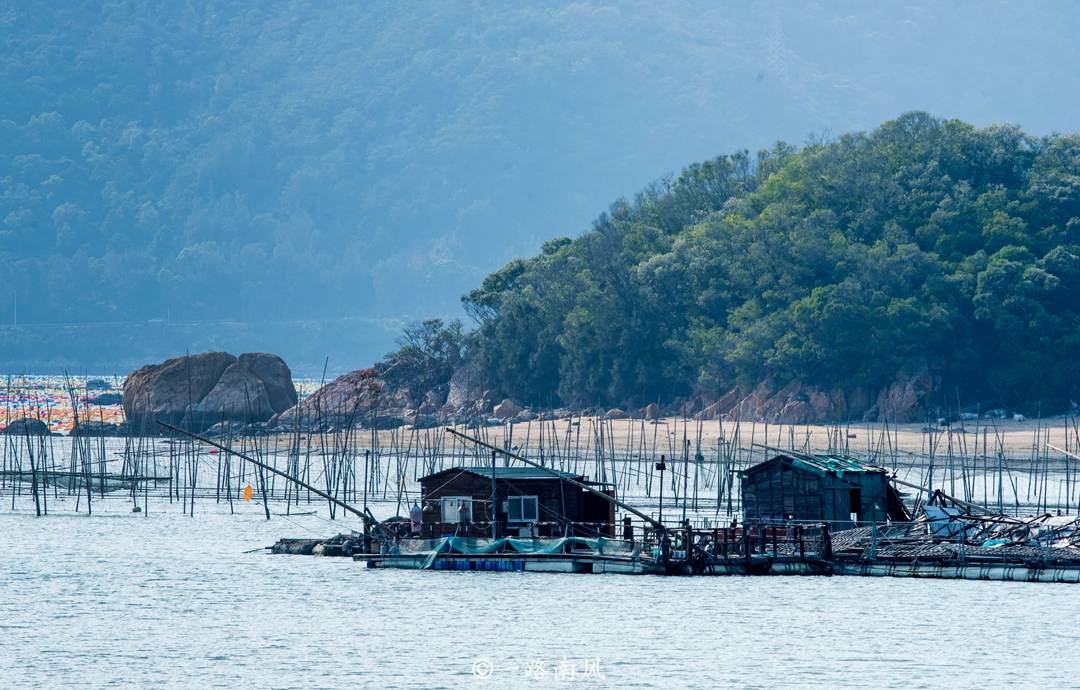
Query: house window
x,y
522,508
451,508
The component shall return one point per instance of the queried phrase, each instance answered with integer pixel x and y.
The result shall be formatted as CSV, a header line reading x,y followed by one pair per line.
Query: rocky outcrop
x,y
375,398
792,403
905,399
709,412
198,391
348,400
26,425
902,401
721,407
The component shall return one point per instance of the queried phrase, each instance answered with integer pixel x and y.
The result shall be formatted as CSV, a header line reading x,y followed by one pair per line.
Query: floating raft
x,y
982,571
908,550
552,555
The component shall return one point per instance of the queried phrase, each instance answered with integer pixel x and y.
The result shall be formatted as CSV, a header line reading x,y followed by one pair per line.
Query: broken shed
x,y
820,488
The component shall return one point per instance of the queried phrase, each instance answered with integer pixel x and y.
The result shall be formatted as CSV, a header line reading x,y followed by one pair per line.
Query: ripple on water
x,y
170,601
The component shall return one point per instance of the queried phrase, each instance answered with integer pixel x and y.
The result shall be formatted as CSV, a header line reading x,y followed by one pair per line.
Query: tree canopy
x,y
925,240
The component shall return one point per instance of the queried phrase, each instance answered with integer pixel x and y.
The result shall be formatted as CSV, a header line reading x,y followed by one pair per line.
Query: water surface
x,y
164,600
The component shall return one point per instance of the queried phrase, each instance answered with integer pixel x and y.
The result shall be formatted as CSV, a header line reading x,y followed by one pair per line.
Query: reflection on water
x,y
123,600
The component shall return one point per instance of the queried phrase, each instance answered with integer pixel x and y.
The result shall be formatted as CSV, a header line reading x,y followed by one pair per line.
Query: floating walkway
x,y
1040,549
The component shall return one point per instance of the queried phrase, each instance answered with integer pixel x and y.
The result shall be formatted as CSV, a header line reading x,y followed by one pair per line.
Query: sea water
x,y
160,599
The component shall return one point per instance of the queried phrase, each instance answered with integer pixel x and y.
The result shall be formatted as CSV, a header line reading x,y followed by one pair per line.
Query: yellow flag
x,y
247,492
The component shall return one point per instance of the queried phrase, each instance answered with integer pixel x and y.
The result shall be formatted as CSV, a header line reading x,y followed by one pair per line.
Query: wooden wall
x,y
558,502
776,490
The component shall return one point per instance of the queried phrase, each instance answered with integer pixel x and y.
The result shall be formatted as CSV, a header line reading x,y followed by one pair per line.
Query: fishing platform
x,y
802,515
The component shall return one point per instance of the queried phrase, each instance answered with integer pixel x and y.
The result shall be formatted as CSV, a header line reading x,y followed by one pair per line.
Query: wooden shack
x,y
820,488
528,502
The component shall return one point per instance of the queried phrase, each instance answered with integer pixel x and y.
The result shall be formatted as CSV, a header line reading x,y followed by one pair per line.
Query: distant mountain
x,y
357,165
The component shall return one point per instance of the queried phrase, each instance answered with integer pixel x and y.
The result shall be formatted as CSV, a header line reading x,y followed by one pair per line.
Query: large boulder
x,y
198,391
349,400
651,411
166,391
27,425
238,395
506,409
275,376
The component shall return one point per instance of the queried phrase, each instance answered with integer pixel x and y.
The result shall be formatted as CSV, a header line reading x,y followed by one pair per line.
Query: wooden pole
x,y
269,468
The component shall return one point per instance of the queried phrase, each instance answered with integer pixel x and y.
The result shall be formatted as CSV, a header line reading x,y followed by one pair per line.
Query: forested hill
x,y
924,242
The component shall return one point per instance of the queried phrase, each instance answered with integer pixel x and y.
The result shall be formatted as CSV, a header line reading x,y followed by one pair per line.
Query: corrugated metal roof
x,y
822,464
525,472
833,463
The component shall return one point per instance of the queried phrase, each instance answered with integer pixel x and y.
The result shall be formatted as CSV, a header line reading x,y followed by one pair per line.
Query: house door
x,y
854,503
